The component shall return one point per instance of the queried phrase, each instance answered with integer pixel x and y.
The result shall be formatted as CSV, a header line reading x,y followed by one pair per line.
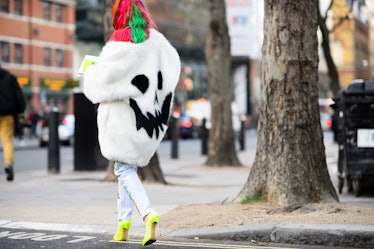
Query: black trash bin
x,y
87,154
354,110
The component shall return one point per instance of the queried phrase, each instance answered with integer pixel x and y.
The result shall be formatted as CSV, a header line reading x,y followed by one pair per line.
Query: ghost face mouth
x,y
151,123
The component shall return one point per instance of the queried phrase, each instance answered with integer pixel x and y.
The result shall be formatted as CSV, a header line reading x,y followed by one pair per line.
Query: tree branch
x,y
329,8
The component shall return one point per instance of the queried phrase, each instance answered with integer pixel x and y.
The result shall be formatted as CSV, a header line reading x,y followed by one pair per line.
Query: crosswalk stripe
x,y
199,245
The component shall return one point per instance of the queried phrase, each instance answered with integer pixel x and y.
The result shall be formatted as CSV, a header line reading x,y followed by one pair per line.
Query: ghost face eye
x,y
159,77
141,82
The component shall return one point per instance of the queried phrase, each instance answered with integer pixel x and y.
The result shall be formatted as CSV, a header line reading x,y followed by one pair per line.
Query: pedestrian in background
x,y
133,80
12,104
32,122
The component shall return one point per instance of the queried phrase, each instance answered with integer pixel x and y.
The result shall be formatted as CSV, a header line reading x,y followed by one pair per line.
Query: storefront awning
x,y
25,83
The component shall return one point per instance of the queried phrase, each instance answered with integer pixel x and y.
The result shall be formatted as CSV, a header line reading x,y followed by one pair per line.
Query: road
x,y
31,239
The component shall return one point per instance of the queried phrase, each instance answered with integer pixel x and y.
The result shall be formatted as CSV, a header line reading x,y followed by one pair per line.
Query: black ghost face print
x,y
151,123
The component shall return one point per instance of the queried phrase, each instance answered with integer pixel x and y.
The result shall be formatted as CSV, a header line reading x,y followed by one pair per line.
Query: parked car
x,y
65,130
326,121
187,128
326,113
200,110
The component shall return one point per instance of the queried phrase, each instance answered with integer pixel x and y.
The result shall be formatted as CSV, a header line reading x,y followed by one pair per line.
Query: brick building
x,y
37,45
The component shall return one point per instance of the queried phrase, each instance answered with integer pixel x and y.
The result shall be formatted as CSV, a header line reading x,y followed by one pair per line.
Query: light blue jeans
x,y
130,192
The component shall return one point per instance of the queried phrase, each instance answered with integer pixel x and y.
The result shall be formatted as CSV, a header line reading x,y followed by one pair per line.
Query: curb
x,y
283,233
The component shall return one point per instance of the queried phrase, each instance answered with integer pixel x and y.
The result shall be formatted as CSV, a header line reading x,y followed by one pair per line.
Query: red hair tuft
x,y
122,11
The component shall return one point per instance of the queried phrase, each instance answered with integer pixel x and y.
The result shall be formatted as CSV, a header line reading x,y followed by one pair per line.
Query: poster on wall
x,y
245,22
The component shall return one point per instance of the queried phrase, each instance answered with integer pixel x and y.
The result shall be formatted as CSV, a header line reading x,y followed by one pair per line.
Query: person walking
x,y
133,81
12,103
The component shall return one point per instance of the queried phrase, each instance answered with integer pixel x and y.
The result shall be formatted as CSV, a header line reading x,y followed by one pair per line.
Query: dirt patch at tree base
x,y
227,215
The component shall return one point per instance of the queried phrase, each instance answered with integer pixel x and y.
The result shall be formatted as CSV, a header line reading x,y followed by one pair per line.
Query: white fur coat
x,y
134,85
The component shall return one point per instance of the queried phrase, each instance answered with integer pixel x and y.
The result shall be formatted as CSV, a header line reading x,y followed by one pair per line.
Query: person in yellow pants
x,y
12,103
6,135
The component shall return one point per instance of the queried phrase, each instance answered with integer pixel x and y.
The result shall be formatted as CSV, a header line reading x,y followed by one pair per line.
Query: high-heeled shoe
x,y
122,233
150,230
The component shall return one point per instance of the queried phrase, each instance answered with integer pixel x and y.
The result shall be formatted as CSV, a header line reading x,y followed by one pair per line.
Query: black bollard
x,y
204,138
242,135
53,142
341,168
87,154
174,137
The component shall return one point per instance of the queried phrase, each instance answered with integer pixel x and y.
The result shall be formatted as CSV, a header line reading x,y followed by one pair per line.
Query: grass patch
x,y
256,199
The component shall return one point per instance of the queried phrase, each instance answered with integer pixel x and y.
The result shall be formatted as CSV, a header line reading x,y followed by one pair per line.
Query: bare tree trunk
x,y
108,19
152,172
221,137
290,163
110,176
332,71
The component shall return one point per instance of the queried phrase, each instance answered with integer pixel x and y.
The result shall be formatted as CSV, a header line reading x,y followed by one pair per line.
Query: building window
x,y
47,10
59,57
19,53
47,56
58,13
5,52
18,7
4,6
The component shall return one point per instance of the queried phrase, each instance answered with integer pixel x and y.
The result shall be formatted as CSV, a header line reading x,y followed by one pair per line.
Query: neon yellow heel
x,y
150,229
122,233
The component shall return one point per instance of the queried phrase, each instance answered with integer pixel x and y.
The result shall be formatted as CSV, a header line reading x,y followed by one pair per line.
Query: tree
x,y
152,172
332,70
325,31
221,136
290,162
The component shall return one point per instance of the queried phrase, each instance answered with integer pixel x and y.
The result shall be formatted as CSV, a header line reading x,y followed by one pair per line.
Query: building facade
x,y
370,5
37,44
350,40
186,25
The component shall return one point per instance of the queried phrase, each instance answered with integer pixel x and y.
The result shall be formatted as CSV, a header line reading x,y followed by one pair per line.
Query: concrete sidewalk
x,y
82,198
82,202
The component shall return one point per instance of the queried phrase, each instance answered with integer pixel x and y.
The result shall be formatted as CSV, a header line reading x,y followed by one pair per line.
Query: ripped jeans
x,y
130,192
